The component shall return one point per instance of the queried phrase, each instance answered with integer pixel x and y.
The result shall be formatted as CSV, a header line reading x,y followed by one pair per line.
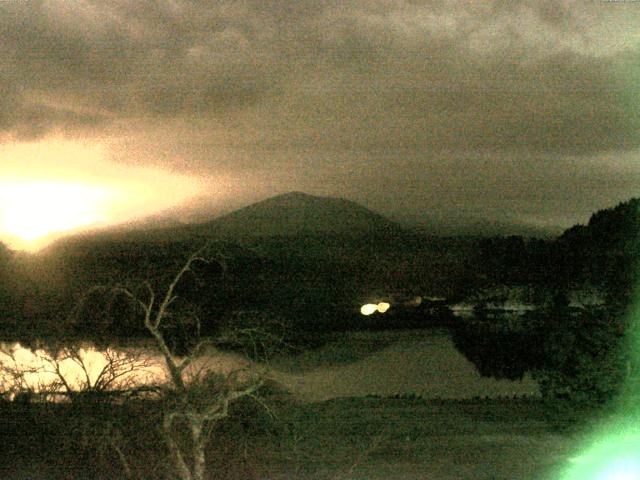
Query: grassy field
x,y
340,439
398,438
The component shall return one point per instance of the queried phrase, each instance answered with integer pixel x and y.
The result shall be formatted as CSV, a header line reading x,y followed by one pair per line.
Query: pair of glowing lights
x,y
371,308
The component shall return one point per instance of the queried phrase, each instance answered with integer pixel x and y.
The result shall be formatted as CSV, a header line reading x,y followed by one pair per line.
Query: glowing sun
x,y
34,209
52,187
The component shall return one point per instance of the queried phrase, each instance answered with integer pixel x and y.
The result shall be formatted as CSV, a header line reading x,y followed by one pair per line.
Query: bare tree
x,y
197,396
194,392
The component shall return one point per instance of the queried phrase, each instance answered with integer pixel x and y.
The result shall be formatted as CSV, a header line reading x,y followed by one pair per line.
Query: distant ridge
x,y
298,213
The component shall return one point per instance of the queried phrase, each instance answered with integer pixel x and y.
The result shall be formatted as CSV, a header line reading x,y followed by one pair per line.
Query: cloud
x,y
281,91
555,76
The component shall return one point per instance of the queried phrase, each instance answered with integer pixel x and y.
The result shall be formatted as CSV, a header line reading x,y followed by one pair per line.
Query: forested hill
x,y
604,253
613,229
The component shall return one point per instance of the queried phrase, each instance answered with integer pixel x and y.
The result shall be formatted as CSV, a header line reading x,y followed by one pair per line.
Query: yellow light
x,y
53,187
368,309
33,209
383,307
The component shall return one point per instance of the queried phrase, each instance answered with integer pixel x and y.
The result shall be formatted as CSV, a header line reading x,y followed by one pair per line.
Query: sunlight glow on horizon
x,y
32,209
52,188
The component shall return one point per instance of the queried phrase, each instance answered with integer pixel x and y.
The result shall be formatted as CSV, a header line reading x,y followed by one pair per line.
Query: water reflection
x,y
352,364
65,371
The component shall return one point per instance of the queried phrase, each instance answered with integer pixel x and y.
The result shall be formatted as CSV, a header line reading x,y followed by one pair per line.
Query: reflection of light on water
x,y
89,368
75,369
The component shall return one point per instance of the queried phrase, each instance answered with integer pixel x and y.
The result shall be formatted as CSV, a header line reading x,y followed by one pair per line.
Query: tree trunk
x,y
178,460
199,442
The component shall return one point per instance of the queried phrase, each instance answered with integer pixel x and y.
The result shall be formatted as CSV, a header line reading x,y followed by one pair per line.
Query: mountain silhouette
x,y
298,213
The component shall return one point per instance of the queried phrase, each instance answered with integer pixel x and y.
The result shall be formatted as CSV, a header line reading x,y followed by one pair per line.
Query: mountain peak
x,y
294,194
296,213
290,197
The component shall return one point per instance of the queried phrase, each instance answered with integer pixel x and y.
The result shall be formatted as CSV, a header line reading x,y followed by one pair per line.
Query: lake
x,y
382,363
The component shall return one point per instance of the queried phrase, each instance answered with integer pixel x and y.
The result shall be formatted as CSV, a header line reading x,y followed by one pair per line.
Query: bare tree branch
x,y
169,296
192,399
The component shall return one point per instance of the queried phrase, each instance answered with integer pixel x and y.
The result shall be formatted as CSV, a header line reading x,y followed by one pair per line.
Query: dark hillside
x,y
605,251
299,214
603,254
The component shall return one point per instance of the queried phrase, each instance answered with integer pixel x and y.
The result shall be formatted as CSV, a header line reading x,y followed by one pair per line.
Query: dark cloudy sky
x,y
528,111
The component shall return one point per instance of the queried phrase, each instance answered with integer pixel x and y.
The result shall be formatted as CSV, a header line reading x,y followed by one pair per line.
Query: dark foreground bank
x,y
359,438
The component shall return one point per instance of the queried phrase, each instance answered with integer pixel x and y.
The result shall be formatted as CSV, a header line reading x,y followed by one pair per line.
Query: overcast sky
x,y
515,110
